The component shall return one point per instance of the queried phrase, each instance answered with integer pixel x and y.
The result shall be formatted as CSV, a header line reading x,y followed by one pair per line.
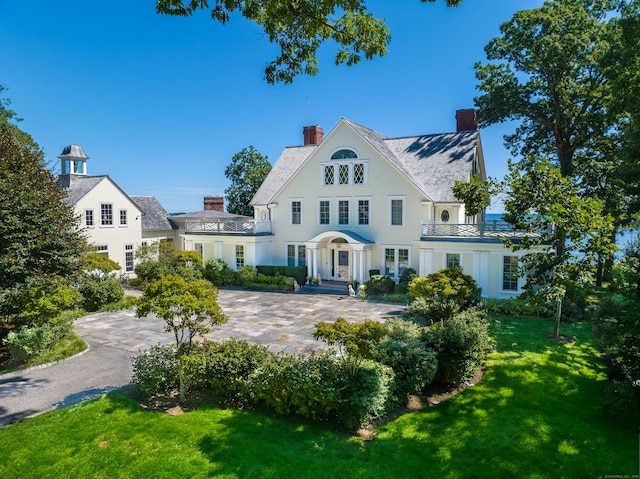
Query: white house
x,y
357,200
115,224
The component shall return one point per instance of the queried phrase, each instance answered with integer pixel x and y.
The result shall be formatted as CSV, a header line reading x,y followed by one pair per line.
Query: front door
x,y
343,265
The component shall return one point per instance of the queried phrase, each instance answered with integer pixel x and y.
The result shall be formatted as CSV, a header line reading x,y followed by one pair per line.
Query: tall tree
x,y
40,240
300,27
546,72
247,171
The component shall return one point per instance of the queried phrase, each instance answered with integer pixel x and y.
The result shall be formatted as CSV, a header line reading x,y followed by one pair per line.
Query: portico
x,y
338,256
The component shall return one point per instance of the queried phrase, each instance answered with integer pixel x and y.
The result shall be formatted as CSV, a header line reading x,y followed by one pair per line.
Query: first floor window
x,y
106,214
198,247
296,255
239,256
396,260
123,217
103,249
325,212
397,212
88,217
453,260
128,258
363,212
510,273
343,212
296,212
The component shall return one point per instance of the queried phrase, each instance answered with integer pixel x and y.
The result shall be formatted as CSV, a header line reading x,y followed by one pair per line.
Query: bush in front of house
x,y
449,283
219,274
156,370
324,387
299,273
29,342
461,343
223,368
98,292
426,311
379,284
413,362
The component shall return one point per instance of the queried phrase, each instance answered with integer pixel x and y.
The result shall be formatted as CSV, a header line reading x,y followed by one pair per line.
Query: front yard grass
x,y
537,413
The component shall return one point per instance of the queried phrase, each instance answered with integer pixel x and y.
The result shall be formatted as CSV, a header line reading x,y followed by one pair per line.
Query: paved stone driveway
x,y
284,322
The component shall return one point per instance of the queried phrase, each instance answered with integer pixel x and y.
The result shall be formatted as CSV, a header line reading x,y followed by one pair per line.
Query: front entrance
x,y
339,264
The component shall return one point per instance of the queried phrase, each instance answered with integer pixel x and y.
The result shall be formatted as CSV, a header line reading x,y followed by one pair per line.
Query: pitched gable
x,y
154,216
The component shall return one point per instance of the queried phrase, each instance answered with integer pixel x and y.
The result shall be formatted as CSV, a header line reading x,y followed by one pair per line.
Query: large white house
x,y
356,201
115,223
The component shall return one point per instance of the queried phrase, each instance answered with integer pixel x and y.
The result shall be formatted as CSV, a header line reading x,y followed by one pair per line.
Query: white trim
x,y
93,218
444,258
295,200
103,225
357,210
338,200
396,266
126,218
519,278
128,248
328,200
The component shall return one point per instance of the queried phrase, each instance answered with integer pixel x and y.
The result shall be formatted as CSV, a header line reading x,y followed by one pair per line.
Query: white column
x,y
363,256
315,262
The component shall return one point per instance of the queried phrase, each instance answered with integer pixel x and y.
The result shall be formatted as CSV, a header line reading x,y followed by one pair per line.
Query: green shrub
x,y
379,284
426,311
247,273
621,402
188,258
358,340
97,261
98,292
461,343
323,387
156,370
224,368
407,276
151,269
217,271
414,364
450,283
299,273
30,342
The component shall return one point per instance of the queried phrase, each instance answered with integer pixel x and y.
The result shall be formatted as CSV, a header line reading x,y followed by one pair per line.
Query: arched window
x,y
344,155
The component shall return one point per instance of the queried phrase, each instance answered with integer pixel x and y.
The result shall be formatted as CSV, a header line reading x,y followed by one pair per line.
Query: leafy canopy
x,y
300,27
247,171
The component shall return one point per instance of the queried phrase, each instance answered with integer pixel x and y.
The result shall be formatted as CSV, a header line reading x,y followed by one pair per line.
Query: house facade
x,y
114,223
356,202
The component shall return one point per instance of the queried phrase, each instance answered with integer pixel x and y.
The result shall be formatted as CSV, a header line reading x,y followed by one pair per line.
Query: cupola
x,y
73,160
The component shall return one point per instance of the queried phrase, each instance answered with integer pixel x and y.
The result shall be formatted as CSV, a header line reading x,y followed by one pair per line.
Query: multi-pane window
x,y
397,212
363,212
343,174
343,212
106,214
128,258
88,217
453,260
296,253
396,260
123,217
510,273
358,173
325,212
296,212
239,256
103,249
328,175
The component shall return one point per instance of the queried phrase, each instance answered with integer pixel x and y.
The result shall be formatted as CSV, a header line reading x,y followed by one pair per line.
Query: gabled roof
x,y
154,216
431,162
78,186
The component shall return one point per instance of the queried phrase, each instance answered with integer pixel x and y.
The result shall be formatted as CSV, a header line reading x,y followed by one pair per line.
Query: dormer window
x,y
344,169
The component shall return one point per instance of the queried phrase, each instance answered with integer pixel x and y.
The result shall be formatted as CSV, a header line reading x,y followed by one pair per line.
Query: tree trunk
x,y
556,328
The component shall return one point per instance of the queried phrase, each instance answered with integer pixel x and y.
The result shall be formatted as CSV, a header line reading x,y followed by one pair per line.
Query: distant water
x,y
622,240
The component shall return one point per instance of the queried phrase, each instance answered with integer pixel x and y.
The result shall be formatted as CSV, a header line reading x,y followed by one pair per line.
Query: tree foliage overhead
x,y
546,71
299,27
247,171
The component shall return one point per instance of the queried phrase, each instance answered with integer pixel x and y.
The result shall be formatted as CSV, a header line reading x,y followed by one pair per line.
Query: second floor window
x,y
325,212
397,212
123,217
363,212
296,212
343,212
88,217
106,214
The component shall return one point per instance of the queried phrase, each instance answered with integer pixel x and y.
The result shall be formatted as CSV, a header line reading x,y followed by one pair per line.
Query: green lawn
x,y
537,413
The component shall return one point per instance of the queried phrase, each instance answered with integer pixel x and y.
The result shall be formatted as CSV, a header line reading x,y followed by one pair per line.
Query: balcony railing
x,y
489,229
219,227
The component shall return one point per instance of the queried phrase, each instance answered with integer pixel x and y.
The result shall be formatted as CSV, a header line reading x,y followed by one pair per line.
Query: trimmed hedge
x,y
299,273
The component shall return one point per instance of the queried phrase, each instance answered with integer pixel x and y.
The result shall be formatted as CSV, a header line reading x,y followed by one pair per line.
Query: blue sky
x,y
161,104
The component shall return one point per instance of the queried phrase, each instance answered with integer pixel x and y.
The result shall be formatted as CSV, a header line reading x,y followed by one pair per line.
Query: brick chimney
x,y
214,203
466,120
313,134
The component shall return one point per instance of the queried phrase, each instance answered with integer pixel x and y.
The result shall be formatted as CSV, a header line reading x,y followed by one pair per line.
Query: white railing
x,y
490,229
221,226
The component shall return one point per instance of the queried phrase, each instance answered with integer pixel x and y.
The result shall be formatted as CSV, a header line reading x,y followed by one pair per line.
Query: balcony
x,y
224,227
491,230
